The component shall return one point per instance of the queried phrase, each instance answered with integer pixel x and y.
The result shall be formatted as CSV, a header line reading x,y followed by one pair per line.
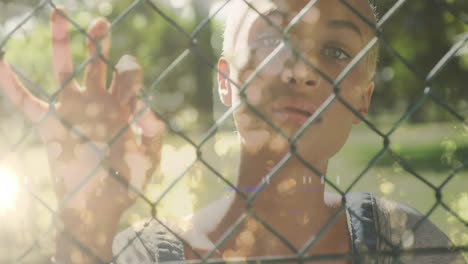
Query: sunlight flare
x,y
8,189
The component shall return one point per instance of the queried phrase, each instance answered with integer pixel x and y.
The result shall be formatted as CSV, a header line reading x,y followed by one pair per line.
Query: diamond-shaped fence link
x,y
192,49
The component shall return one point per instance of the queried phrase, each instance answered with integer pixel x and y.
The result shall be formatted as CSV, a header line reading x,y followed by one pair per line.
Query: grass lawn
x,y
431,152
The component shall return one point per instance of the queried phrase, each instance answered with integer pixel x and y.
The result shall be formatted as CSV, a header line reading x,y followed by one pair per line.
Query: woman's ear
x,y
365,102
224,86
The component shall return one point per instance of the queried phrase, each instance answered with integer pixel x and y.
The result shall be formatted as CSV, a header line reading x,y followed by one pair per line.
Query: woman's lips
x,y
293,116
295,111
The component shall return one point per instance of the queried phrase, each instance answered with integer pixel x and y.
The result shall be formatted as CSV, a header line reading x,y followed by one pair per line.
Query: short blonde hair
x,y
238,12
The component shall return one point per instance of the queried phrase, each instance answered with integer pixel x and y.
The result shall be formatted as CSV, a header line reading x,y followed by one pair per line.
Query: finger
x,y
142,159
127,81
98,48
152,139
32,107
61,55
152,130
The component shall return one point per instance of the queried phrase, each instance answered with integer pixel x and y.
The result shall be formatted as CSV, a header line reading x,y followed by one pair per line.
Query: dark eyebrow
x,y
345,24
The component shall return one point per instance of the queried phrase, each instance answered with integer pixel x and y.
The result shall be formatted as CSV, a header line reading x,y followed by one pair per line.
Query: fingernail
x,y
127,63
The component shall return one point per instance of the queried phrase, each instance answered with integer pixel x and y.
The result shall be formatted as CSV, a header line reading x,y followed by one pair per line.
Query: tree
x,y
422,32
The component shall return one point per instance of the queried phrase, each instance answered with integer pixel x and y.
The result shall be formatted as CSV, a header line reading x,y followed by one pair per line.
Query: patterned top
x,y
375,226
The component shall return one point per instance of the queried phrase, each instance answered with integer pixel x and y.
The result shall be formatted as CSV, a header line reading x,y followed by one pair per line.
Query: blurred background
x,y
431,139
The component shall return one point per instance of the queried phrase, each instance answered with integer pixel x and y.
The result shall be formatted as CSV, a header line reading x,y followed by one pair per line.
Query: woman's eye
x,y
336,53
270,41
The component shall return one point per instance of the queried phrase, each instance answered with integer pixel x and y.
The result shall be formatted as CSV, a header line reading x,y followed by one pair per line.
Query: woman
x,y
284,95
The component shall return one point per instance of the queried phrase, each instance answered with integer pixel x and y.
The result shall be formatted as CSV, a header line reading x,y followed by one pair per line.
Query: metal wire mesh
x,y
426,94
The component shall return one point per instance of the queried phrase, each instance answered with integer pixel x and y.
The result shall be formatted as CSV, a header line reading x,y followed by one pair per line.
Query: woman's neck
x,y
291,202
289,187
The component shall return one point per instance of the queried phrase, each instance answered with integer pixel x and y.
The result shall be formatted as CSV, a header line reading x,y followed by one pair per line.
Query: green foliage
x,y
447,155
33,58
422,32
184,96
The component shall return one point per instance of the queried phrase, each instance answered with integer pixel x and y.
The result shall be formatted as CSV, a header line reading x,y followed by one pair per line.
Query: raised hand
x,y
98,162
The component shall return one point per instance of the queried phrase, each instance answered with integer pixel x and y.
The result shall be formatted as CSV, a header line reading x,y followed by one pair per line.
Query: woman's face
x,y
287,91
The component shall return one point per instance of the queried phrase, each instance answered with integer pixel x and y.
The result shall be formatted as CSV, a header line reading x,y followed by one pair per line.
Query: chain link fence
x,y
191,47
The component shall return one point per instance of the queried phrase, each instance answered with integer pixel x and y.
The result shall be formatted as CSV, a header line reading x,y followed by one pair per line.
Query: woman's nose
x,y
297,72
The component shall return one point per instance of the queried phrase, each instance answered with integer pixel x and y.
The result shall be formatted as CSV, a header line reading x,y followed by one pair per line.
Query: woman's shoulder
x,y
375,224
147,242
385,225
